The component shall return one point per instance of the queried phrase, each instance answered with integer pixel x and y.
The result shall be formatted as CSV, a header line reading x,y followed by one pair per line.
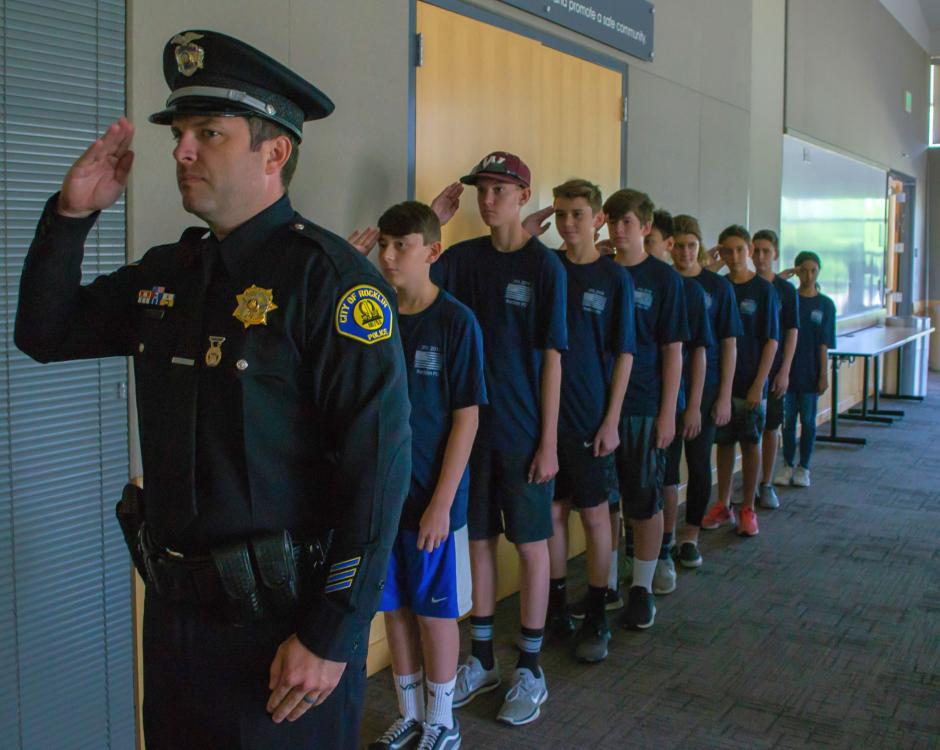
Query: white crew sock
x,y
613,574
410,691
643,571
441,703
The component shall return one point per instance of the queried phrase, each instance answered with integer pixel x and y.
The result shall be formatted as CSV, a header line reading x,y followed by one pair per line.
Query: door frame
x,y
465,8
904,282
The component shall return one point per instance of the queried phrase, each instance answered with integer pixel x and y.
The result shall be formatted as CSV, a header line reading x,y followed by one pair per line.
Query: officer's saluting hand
x,y
273,410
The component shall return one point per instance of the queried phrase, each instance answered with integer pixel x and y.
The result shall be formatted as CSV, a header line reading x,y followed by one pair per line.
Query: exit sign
x,y
908,101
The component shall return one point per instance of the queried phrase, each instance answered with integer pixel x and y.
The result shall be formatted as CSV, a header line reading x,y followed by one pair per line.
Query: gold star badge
x,y
254,304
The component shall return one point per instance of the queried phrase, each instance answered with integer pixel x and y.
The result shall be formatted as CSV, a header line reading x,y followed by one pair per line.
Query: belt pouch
x,y
277,566
130,515
233,564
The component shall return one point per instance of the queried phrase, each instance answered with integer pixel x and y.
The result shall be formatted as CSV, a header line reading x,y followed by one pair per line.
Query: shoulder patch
x,y
364,314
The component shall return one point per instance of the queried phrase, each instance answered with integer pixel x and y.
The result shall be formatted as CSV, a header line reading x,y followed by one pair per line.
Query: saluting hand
x,y
532,223
300,679
99,176
364,240
447,202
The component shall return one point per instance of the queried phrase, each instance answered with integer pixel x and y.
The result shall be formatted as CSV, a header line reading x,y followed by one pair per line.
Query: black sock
x,y
597,601
530,645
557,595
481,640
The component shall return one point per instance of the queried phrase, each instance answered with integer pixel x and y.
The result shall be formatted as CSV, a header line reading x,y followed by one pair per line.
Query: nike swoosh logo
x,y
438,601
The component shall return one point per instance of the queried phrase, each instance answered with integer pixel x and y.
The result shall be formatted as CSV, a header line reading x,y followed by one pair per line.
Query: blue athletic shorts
x,y
430,584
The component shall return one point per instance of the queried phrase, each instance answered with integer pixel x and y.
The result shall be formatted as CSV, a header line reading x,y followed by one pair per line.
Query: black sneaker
x,y
687,555
612,601
591,644
641,609
560,626
402,734
438,737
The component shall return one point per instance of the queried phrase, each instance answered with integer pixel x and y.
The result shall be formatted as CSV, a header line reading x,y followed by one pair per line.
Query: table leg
x,y
833,436
865,414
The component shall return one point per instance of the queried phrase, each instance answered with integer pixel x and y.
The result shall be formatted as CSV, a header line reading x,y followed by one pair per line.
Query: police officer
x,y
273,410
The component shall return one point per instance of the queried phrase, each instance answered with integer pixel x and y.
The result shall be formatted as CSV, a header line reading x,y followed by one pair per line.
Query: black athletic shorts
x,y
503,500
640,468
746,424
583,478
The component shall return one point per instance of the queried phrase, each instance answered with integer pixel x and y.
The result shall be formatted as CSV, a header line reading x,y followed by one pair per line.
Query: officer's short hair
x,y
411,217
662,220
261,130
578,188
624,201
735,230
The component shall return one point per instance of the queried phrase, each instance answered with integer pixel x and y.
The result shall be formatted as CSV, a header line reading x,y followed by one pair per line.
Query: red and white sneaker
x,y
718,516
747,525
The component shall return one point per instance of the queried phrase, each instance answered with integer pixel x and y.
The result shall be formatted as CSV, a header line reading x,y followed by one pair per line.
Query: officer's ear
x,y
279,148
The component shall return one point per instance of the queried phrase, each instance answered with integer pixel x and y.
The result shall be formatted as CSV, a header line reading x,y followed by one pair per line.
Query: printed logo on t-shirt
x,y
643,298
708,301
816,316
518,293
428,360
748,306
594,301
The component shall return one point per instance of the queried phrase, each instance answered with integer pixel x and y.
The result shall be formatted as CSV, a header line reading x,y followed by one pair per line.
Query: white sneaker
x,y
784,476
800,477
527,693
473,680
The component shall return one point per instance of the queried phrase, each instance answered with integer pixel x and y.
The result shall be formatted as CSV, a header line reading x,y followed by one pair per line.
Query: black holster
x,y
130,516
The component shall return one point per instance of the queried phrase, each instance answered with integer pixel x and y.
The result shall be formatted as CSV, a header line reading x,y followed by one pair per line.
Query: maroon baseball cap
x,y
502,166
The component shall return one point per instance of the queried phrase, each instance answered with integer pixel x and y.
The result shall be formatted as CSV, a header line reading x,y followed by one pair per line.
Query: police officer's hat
x,y
213,74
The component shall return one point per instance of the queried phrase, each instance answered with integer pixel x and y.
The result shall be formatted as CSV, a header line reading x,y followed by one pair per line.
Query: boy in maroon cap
x,y
517,288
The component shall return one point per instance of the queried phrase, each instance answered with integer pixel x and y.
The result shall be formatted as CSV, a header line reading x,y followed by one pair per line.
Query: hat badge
x,y
189,56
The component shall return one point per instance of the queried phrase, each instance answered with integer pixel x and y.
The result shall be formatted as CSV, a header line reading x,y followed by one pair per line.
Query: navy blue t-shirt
x,y
757,306
700,333
722,314
600,327
519,300
788,311
817,328
659,309
444,354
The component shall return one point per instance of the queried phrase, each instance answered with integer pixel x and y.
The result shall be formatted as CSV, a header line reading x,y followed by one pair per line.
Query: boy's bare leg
x,y
558,544
670,508
725,464
596,522
533,583
483,575
750,462
401,629
770,441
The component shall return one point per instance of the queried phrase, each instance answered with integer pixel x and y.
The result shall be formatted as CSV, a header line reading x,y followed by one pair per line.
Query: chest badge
x,y
254,304
364,314
214,352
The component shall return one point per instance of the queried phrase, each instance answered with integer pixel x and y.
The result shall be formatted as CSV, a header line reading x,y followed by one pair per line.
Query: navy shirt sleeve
x,y
673,324
829,324
465,369
770,324
552,329
700,329
623,330
728,319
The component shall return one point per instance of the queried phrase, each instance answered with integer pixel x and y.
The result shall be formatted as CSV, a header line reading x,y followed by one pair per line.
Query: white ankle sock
x,y
441,703
643,571
613,574
410,691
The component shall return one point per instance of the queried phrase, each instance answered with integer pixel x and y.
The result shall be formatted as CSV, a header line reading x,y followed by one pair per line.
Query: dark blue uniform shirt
x,y
519,300
724,318
600,327
817,328
659,308
788,311
444,356
700,333
757,306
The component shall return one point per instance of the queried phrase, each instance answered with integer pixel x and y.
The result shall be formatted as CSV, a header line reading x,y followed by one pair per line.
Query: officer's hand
x,y
434,526
607,439
665,430
533,222
364,240
99,176
300,679
447,202
721,411
544,466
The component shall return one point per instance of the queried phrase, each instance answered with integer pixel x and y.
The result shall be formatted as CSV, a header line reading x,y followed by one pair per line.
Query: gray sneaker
x,y
400,735
664,579
473,680
768,497
591,644
524,698
439,737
